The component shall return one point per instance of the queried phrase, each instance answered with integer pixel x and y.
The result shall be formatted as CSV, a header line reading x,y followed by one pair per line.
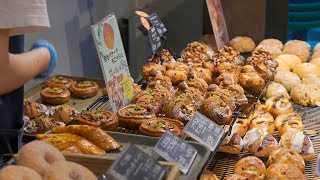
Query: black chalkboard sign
x,y
204,131
134,164
155,39
159,26
174,149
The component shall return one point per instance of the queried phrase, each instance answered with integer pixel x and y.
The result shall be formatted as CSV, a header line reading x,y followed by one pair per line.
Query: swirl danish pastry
x,y
158,126
104,119
84,89
55,96
59,82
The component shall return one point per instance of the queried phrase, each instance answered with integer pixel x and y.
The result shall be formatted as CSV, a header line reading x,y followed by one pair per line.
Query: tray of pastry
x,y
145,143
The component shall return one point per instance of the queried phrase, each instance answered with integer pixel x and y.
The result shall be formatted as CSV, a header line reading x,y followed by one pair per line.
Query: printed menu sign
x,y
113,61
134,164
218,23
155,39
174,149
156,22
204,131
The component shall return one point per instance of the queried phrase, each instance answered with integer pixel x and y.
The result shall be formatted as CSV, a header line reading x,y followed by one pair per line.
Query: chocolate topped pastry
x,y
104,119
59,81
158,126
55,95
84,89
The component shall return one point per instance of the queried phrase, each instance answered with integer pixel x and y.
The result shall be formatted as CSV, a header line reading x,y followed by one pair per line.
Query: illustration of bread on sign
x,y
108,35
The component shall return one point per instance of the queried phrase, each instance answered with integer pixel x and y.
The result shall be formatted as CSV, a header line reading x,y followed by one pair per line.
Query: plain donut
x,y
68,171
38,156
14,172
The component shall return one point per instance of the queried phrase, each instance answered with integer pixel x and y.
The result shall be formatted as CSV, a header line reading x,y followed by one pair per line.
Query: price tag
x,y
113,61
156,22
174,149
134,164
155,39
204,131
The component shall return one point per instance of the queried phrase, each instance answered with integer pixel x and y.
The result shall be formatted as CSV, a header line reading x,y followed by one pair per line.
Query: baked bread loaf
x,y
289,59
288,122
287,156
287,78
275,89
272,42
278,105
296,42
242,44
84,89
250,167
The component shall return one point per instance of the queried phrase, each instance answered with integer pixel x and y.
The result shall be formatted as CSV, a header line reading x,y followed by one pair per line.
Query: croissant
x,y
96,135
64,113
66,141
33,109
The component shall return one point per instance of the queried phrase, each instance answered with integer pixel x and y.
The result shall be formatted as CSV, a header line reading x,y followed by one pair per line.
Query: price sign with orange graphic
x,y
113,61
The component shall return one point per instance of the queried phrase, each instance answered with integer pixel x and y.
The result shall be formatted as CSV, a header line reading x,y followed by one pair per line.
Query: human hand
x,y
53,56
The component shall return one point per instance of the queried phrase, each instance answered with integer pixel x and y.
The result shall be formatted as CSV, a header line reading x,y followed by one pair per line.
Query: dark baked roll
x,y
133,115
262,120
33,109
288,122
104,119
58,81
84,89
278,105
63,113
55,95
287,156
284,171
158,126
250,167
231,144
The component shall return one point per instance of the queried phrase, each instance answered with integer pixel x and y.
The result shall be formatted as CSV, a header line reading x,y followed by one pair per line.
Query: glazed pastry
x,y
242,44
104,119
228,54
196,52
235,177
63,113
287,78
262,119
84,89
250,167
299,142
250,80
64,142
288,122
59,82
33,109
150,67
278,105
208,176
272,42
203,73
284,171
240,126
259,143
263,64
55,95
287,156
231,144
218,107
104,91
158,126
133,115
156,77
95,135
198,83
275,89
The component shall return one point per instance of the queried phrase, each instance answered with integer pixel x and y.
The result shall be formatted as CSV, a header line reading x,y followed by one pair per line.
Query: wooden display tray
x,y
100,164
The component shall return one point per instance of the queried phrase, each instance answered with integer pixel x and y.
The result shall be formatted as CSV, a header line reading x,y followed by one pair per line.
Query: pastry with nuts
x,y
228,54
196,52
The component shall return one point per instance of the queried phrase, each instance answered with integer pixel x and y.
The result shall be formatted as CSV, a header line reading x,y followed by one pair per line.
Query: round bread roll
x,y
272,42
38,156
287,79
315,55
304,69
275,89
242,44
282,64
284,171
250,167
235,177
208,175
297,42
13,172
306,94
289,59
316,61
275,51
299,51
68,170
312,79
316,48
287,156
278,105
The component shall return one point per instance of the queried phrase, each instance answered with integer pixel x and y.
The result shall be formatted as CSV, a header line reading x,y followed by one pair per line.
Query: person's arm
x,y
17,69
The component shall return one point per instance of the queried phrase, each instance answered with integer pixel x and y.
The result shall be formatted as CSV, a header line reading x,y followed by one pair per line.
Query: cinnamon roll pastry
x,y
158,126
133,115
228,54
250,167
196,52
218,107
63,113
156,77
262,120
232,144
59,82
198,83
278,105
287,156
235,177
150,67
55,95
104,119
250,80
259,143
289,122
284,171
203,73
33,109
298,142
84,89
